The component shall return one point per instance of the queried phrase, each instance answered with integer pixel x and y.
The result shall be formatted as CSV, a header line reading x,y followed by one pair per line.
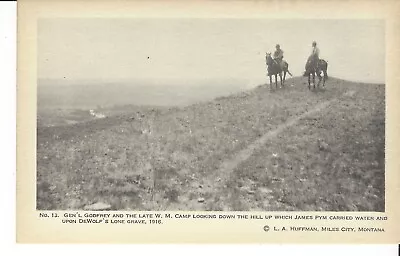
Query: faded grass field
x,y
167,158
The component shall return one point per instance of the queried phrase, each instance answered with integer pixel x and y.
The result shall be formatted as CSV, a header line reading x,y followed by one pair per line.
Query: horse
x,y
274,68
312,69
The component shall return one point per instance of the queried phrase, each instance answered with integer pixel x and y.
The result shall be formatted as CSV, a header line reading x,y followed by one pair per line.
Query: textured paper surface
x,y
33,229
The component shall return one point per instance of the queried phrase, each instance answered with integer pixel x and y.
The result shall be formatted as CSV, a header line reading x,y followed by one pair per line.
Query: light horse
x,y
313,68
274,68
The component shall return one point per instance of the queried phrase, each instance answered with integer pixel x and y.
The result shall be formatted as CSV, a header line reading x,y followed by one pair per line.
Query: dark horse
x,y
274,68
317,67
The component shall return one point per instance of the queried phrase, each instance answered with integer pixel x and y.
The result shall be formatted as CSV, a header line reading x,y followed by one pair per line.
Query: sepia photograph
x,y
192,114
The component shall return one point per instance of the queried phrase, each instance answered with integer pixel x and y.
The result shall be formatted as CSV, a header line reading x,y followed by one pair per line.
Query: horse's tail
x,y
286,68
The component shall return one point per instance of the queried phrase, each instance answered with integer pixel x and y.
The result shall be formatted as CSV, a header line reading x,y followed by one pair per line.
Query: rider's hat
x,y
314,43
278,46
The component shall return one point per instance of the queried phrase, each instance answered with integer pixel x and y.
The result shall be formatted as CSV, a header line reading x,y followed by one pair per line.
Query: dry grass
x,y
165,159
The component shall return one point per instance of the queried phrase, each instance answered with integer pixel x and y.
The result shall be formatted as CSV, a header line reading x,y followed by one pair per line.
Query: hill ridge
x,y
167,159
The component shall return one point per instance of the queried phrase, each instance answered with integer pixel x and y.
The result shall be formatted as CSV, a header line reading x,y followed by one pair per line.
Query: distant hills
x,y
56,93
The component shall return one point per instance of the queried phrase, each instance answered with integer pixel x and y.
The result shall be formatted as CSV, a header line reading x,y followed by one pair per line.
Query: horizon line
x,y
195,79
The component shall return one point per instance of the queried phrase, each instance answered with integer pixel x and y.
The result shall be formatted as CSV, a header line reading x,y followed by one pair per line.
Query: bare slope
x,y
170,159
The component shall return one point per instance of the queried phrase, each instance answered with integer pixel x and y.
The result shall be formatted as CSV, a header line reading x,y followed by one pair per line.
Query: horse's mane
x,y
269,58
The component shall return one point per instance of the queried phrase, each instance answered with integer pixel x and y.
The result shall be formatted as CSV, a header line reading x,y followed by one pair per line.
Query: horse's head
x,y
269,58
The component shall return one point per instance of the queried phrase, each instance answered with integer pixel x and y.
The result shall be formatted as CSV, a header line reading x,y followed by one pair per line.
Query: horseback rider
x,y
278,55
314,57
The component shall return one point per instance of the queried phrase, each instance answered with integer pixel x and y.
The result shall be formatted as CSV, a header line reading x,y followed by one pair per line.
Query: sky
x,y
192,49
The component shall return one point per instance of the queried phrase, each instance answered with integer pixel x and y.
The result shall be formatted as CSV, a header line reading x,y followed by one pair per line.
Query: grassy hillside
x,y
167,159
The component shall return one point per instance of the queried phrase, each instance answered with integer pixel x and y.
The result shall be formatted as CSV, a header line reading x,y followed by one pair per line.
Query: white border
x,y
8,74
7,186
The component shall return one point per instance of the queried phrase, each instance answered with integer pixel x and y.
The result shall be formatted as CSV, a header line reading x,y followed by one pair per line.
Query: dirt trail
x,y
228,166
254,150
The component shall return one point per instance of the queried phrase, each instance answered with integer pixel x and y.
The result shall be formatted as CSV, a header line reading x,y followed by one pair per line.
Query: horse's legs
x,y
319,78
280,76
276,81
270,82
309,82
313,79
325,77
284,77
